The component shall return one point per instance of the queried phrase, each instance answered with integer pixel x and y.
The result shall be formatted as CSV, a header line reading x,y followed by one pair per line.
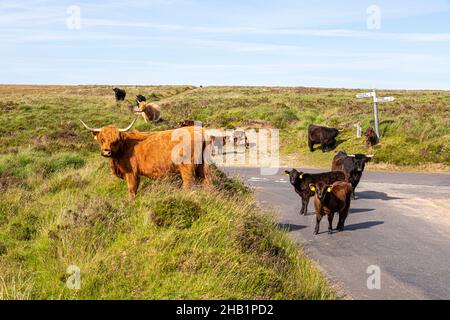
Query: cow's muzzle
x,y
106,153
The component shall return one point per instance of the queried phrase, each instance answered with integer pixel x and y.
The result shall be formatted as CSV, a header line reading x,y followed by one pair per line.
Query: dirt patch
x,y
7,181
6,106
60,140
258,124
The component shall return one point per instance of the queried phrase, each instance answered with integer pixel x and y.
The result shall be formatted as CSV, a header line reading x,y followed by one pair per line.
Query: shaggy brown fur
x,y
135,154
150,111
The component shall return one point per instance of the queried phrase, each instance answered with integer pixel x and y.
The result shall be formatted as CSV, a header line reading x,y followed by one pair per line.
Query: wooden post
x,y
358,129
375,114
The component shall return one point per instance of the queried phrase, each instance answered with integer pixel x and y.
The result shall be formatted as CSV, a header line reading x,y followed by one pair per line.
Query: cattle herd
x,y
332,191
150,154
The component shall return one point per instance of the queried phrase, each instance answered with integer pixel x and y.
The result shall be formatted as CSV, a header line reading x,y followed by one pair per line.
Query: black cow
x,y
324,136
352,166
301,182
140,98
190,123
120,94
371,137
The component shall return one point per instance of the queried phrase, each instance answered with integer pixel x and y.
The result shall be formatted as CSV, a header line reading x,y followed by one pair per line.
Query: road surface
x,y
400,223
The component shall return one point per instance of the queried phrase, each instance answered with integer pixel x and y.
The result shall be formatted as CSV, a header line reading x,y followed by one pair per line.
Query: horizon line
x,y
214,85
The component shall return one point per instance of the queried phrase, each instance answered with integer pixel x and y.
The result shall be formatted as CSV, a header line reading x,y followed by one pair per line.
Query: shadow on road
x,y
360,210
232,152
290,227
362,225
374,195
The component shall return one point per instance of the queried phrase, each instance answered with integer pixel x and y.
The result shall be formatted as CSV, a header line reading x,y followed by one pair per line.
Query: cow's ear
x,y
286,172
312,187
369,157
95,134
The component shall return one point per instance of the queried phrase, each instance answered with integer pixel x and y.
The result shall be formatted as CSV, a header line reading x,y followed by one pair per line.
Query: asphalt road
x,y
400,223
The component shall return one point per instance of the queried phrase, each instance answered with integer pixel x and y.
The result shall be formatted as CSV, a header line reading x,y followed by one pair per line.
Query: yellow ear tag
x,y
329,189
301,176
287,174
95,137
313,188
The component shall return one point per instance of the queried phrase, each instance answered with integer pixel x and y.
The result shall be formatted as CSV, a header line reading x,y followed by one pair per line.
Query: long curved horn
x,y
89,128
370,156
351,155
129,127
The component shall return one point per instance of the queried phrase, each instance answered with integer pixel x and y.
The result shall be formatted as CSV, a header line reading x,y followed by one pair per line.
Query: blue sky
x,y
199,42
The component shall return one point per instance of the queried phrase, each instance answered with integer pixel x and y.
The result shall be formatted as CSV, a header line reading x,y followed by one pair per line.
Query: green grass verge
x,y
167,244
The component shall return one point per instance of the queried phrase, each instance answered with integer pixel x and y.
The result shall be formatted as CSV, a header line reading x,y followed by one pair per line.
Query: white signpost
x,y
373,95
385,99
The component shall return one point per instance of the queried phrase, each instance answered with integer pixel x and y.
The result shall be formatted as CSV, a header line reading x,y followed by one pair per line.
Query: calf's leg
x,y
330,222
305,201
342,217
318,218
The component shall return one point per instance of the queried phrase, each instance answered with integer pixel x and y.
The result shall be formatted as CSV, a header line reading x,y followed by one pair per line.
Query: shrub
x,y
24,230
177,212
3,249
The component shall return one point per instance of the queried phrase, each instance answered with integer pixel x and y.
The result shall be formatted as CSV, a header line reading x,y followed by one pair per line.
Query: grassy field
x,y
61,207
415,128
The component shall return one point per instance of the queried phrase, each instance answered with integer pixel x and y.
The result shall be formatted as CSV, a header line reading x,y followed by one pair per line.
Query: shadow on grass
x,y
338,142
330,148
